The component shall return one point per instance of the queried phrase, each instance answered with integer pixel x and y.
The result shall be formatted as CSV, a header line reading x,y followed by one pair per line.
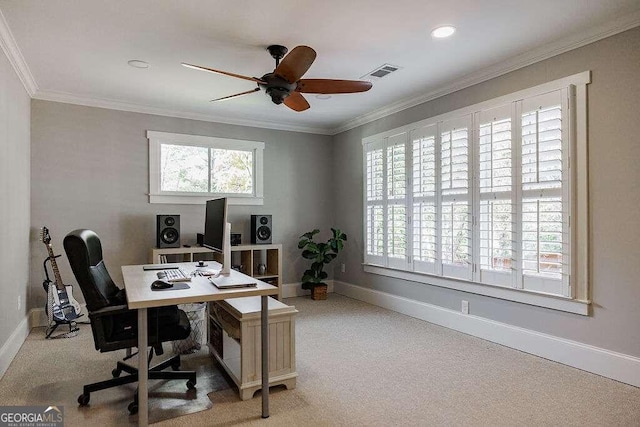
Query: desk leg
x,y
143,390
264,325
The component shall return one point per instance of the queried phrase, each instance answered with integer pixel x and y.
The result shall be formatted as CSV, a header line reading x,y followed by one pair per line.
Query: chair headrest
x,y
84,252
84,245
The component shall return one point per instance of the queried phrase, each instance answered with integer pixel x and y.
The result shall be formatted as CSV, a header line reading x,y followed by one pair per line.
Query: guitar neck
x,y
54,266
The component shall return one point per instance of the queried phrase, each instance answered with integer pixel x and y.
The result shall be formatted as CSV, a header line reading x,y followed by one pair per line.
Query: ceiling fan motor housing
x,y
277,87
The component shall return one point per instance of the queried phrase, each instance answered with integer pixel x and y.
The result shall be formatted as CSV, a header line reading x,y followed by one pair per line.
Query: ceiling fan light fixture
x,y
443,32
136,63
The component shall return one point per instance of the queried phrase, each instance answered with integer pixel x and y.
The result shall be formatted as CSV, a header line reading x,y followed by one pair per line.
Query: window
x,y
482,199
190,169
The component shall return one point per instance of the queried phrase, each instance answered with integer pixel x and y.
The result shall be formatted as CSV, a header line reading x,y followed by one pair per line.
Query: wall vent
x,y
380,72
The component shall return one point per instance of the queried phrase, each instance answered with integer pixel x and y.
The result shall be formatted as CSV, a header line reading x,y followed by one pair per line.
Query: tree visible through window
x,y
205,170
231,171
184,168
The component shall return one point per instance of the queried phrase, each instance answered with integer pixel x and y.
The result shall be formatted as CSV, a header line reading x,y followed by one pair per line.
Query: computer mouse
x,y
161,284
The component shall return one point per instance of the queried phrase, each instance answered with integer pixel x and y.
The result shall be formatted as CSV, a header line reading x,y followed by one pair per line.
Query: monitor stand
x,y
226,280
226,252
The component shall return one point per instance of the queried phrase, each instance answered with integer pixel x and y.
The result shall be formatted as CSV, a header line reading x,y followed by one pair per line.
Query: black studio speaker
x,y
168,231
261,229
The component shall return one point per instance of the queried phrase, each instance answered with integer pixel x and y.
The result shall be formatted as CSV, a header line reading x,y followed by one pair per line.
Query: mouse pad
x,y
176,287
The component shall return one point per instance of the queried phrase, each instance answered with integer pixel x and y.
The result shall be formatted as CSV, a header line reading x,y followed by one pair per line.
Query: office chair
x,y
114,326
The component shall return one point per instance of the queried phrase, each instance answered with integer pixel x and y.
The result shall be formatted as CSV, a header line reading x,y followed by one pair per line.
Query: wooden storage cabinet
x,y
234,333
246,258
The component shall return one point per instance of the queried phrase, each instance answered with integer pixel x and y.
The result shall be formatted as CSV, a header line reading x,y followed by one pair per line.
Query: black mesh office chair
x,y
114,326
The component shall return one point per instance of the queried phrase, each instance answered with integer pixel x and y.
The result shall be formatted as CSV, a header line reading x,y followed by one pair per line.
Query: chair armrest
x,y
109,311
116,326
109,320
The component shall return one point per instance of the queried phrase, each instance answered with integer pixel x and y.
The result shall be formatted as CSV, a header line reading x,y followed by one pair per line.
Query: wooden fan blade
x,y
296,102
329,86
237,94
211,70
296,63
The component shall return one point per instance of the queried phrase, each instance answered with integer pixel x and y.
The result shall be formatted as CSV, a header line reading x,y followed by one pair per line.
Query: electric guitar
x,y
65,307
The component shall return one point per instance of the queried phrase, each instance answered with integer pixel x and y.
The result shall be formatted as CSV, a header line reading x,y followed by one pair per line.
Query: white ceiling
x,y
77,51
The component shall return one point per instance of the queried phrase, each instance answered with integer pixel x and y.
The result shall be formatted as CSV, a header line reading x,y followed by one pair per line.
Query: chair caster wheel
x,y
83,399
133,408
191,385
116,373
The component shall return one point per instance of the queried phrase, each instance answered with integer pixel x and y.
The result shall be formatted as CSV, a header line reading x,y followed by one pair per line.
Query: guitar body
x,y
63,305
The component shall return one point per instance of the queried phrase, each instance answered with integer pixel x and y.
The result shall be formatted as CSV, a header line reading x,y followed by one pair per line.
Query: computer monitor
x,y
217,231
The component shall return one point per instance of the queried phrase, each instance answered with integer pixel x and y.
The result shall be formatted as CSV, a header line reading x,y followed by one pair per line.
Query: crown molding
x,y
11,50
69,98
531,57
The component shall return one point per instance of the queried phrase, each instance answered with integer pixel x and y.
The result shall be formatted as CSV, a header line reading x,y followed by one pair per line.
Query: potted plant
x,y
321,254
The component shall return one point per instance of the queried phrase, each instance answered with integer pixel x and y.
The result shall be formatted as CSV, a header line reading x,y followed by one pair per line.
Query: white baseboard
x,y
610,364
291,290
13,344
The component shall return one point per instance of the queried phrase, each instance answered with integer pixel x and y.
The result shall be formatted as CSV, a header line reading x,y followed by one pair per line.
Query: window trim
x,y
578,300
156,196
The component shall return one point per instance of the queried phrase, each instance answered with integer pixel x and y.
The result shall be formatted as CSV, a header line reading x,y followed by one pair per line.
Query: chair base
x,y
155,373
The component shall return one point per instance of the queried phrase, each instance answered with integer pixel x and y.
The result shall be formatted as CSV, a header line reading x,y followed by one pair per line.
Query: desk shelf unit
x,y
234,341
248,256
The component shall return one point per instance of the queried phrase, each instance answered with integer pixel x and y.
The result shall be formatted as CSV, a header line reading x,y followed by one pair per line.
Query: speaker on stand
x,y
168,231
261,229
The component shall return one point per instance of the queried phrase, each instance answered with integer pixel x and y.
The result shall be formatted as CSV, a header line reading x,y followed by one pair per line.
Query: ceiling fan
x,y
285,85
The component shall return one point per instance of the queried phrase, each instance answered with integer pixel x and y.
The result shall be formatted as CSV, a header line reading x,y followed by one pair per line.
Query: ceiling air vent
x,y
380,72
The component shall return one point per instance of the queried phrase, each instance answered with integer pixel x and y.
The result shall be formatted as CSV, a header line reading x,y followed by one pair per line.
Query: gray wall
x,y
614,199
90,170
15,196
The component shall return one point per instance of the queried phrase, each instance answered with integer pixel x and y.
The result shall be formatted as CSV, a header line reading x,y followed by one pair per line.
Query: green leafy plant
x,y
321,254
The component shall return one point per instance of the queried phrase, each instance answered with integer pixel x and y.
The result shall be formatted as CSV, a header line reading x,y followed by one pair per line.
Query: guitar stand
x,y
73,326
73,329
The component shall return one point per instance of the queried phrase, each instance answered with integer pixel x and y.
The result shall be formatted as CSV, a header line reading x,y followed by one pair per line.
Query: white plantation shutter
x,y
484,195
397,201
496,196
545,202
375,202
455,197
424,210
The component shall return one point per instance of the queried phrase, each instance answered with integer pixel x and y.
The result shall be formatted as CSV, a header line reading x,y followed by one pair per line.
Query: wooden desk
x,y
140,297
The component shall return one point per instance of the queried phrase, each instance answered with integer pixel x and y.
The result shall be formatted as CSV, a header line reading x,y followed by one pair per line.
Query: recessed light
x,y
136,63
323,96
442,32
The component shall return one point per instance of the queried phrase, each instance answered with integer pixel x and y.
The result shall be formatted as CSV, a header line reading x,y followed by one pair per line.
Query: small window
x,y
191,169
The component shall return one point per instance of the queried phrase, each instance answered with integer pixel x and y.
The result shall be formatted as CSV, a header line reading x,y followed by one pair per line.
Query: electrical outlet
x,y
19,301
343,268
465,307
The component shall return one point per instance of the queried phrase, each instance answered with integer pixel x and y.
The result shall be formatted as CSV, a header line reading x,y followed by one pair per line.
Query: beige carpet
x,y
358,365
